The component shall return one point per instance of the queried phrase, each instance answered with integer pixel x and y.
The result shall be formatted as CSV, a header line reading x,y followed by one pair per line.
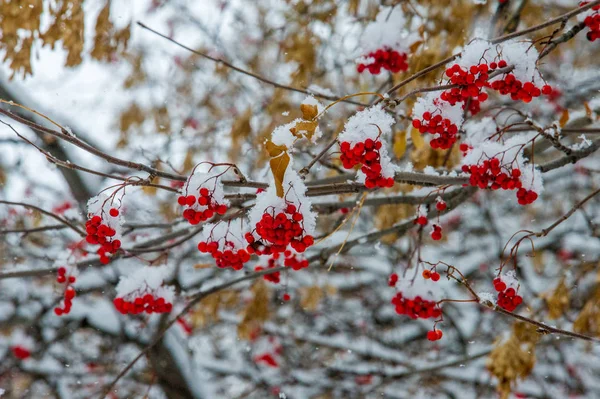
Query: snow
x,y
231,231
100,205
431,103
295,190
146,280
477,131
390,29
206,176
370,123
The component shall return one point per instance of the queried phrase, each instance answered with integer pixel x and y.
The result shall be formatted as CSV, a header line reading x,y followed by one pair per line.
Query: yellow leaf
x,y
308,127
417,138
279,163
564,118
309,112
400,144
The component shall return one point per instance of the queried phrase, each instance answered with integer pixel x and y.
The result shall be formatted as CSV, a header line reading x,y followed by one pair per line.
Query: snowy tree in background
x,y
299,199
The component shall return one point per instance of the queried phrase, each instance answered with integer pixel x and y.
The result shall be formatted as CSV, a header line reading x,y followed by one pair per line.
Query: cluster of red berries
x,y
428,274
392,280
69,293
434,335
366,154
204,199
436,124
490,174
592,21
101,234
20,352
385,58
416,308
471,82
519,90
229,257
507,297
277,231
436,233
148,303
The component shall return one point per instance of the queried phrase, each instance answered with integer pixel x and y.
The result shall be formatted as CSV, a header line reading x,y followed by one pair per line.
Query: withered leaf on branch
x,y
279,163
513,358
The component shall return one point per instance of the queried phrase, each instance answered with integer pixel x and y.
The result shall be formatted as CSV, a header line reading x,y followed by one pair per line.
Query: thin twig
x,y
248,73
47,213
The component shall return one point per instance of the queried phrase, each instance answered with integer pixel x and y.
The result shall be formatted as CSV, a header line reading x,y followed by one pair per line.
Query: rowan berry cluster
x,y
491,174
416,308
227,256
507,296
385,58
518,90
471,83
277,230
437,124
99,232
69,292
206,209
368,155
592,21
138,304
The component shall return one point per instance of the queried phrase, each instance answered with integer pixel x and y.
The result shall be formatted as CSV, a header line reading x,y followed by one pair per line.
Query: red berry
x,y
286,297
114,212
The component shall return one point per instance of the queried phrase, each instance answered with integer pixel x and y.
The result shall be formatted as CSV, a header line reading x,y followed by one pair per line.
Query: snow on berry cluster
x,y
21,344
439,118
480,66
497,165
203,196
591,18
471,82
386,42
507,287
224,241
416,299
64,275
103,226
524,81
361,144
278,223
144,291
